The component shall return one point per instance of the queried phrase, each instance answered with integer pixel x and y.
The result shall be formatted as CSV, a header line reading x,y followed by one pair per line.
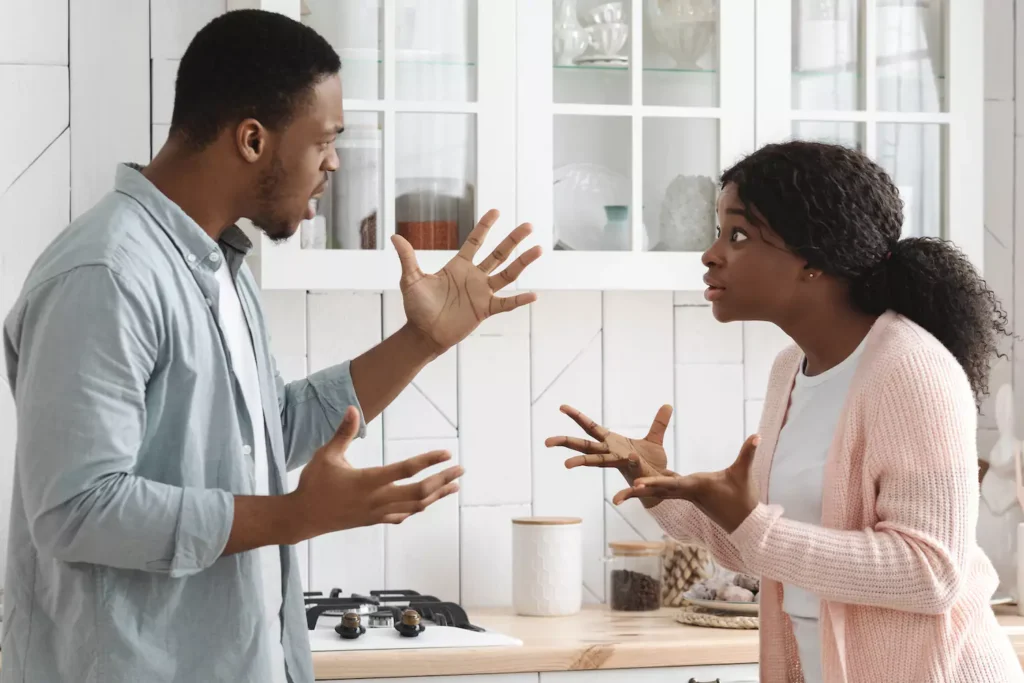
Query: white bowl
x,y
684,29
608,13
607,39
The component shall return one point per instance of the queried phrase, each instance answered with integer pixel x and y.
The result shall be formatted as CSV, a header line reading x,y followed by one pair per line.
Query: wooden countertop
x,y
593,639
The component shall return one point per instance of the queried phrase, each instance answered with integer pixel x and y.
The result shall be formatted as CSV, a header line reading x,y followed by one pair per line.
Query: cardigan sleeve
x,y
684,522
920,453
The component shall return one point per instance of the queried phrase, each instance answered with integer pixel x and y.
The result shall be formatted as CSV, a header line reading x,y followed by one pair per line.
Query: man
x,y
151,530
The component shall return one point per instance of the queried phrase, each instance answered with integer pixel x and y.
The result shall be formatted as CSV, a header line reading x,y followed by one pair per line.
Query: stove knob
x,y
350,627
411,624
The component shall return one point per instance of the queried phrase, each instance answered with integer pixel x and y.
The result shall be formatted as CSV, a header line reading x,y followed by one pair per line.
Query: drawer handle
x,y
694,680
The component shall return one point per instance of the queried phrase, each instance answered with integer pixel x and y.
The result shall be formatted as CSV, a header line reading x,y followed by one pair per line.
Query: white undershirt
x,y
243,361
796,482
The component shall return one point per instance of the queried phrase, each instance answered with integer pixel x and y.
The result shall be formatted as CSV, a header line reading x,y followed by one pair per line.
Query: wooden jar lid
x,y
538,521
636,547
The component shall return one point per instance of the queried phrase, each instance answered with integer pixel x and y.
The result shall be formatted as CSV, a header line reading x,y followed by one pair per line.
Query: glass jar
x,y
634,575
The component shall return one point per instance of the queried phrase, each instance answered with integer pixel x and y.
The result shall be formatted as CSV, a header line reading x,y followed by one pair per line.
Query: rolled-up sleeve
x,y
88,344
312,408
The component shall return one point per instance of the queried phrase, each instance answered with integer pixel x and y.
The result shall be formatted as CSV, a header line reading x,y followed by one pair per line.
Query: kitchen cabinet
x,y
491,678
429,140
734,673
457,106
731,673
901,80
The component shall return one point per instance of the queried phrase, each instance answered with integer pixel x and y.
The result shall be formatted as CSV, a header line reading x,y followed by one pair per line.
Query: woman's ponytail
x,y
932,282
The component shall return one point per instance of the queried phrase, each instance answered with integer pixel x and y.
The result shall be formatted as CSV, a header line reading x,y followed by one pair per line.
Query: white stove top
x,y
445,624
325,639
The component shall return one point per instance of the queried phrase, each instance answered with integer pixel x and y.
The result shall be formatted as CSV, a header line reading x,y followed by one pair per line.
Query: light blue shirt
x,y
133,435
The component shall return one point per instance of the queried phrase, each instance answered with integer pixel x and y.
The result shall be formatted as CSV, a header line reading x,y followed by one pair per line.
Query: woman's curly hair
x,y
839,210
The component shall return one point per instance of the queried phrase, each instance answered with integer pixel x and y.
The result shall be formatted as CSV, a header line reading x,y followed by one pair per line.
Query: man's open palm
x,y
448,305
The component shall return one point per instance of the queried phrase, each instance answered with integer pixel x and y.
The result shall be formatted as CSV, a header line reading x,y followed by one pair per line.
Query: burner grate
x,y
429,607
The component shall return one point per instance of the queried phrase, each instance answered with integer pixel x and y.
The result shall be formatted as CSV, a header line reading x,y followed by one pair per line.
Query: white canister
x,y
1020,569
547,566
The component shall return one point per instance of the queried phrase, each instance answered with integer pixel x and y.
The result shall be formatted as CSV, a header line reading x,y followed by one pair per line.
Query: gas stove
x,y
391,620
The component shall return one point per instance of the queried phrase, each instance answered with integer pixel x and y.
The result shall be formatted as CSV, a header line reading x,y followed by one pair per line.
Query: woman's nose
x,y
712,257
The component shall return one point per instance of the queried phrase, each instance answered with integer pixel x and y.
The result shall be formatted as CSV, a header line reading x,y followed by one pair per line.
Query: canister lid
x,y
547,520
636,547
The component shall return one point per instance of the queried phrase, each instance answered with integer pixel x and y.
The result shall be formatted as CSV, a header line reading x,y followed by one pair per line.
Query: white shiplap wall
x,y
492,400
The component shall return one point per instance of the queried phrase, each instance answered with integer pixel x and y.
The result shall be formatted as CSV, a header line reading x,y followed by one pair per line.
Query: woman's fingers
x,y
586,424
577,444
595,460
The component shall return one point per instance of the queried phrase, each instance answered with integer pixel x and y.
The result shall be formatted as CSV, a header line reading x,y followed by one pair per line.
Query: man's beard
x,y
269,187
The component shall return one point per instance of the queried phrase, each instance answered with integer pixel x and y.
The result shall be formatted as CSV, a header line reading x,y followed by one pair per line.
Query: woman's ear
x,y
811,273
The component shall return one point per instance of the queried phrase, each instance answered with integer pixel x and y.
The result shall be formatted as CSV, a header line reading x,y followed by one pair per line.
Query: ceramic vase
x,y
570,40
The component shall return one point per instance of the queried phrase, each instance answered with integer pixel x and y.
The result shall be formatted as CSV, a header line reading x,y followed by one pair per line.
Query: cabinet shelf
x,y
625,67
615,270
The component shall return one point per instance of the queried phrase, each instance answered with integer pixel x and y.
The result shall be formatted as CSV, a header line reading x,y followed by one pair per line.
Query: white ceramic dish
x,y
607,39
608,13
602,60
751,608
580,194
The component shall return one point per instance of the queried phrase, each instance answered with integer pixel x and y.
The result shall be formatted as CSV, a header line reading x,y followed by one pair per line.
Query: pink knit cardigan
x,y
904,586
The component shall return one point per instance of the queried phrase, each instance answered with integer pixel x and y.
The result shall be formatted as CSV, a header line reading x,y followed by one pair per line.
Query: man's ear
x,y
251,140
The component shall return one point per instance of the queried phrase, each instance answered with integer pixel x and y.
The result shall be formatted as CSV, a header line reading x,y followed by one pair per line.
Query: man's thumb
x,y
345,432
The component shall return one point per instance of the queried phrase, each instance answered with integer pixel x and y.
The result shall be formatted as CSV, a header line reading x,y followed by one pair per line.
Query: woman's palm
x,y
632,457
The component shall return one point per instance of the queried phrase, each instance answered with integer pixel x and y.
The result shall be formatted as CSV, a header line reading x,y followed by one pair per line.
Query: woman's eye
x,y
738,236
718,232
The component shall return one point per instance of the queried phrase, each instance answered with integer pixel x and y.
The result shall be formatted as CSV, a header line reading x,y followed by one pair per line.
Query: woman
x,y
857,504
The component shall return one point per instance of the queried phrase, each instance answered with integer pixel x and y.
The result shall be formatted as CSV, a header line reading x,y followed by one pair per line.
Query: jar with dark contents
x,y
634,575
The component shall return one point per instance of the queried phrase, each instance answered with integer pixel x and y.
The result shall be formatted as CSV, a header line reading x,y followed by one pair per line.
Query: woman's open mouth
x,y
714,290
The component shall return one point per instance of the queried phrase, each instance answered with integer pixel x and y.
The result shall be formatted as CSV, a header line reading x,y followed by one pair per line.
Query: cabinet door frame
x,y
288,266
636,269
962,187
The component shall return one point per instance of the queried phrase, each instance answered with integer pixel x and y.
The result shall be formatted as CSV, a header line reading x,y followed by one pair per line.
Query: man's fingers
x,y
508,275
416,492
405,469
412,507
660,425
577,444
586,424
477,235
506,248
504,304
411,272
395,519
345,433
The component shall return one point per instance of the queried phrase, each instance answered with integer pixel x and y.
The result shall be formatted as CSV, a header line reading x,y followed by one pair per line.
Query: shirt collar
x,y
196,246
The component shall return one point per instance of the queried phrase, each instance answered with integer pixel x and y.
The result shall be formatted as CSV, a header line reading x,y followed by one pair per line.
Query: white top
x,y
243,362
795,483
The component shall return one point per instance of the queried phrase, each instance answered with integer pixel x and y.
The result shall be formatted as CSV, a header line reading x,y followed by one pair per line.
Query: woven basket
x,y
682,566
691,615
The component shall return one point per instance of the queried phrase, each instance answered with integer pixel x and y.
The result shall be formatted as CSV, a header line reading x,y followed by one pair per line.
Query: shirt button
x,y
209,301
246,449
215,257
191,258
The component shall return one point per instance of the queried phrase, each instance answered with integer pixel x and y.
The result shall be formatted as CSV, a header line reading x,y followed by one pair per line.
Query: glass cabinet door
x,y
429,139
888,77
628,112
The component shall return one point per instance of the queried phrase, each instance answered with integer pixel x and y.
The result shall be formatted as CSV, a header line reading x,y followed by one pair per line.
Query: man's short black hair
x,y
247,64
